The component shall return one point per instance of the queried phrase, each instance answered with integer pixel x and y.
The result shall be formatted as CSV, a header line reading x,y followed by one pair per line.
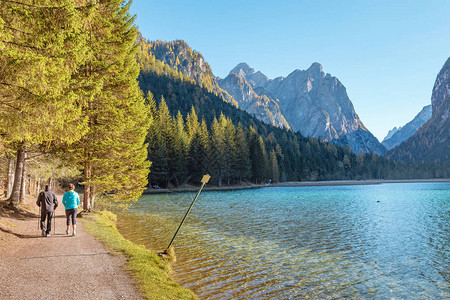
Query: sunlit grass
x,y
150,271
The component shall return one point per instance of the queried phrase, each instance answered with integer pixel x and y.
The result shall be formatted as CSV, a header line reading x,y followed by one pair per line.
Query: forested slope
x,y
196,131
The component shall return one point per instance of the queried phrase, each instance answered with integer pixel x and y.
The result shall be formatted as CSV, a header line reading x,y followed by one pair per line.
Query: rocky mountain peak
x,y
315,70
391,133
182,58
260,105
441,91
247,73
243,70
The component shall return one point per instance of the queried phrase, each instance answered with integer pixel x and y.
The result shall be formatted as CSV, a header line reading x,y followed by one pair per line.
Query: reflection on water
x,y
383,241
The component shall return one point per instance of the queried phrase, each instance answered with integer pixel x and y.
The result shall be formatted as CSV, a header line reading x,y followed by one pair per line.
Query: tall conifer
x,y
181,141
113,153
273,164
242,162
229,132
217,153
192,124
258,156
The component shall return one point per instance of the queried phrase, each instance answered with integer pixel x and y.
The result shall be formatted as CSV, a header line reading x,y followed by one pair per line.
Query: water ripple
x,y
383,241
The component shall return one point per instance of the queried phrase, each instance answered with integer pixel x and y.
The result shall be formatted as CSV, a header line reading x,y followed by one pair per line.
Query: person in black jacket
x,y
48,202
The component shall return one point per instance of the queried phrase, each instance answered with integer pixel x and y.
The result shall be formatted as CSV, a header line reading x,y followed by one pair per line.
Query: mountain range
x,y
309,101
312,102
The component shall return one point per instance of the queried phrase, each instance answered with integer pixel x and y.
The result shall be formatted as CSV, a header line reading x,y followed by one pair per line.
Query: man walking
x,y
48,203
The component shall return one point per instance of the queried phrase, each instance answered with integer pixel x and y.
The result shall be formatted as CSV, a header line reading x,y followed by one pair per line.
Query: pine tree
x,y
229,132
274,170
167,132
242,167
217,157
192,124
258,156
181,141
281,162
199,151
205,146
112,153
156,149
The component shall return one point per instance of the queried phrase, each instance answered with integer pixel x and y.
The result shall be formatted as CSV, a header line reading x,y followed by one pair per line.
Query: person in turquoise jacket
x,y
71,200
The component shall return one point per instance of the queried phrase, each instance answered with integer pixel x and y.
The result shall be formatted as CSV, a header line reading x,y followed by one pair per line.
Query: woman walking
x,y
71,202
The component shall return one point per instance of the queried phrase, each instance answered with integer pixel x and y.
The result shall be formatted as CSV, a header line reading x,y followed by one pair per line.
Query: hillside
x,y
431,143
183,59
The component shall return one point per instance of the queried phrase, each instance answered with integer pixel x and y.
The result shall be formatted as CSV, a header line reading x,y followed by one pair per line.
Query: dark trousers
x,y
46,215
71,214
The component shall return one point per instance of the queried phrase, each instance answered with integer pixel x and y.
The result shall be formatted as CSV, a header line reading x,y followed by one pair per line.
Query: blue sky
x,y
386,53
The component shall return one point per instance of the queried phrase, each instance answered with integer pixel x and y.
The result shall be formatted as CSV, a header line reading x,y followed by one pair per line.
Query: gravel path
x,y
59,266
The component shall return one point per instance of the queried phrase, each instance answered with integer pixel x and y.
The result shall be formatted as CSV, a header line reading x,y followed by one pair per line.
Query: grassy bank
x,y
150,271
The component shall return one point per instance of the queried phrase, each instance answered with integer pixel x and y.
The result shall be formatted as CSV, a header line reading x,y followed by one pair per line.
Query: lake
x,y
363,241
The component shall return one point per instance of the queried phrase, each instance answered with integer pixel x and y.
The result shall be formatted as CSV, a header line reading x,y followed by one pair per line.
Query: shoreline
x,y
186,189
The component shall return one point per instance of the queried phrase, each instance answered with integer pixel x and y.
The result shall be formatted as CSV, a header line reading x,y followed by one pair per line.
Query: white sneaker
x,y
74,233
67,232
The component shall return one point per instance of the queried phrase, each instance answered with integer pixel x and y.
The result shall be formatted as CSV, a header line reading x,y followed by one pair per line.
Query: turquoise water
x,y
372,241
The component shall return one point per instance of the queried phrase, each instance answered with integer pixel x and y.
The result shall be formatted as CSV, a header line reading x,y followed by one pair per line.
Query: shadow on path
x,y
9,211
22,236
65,255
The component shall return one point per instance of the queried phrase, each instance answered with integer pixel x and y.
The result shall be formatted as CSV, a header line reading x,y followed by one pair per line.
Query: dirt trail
x,y
59,266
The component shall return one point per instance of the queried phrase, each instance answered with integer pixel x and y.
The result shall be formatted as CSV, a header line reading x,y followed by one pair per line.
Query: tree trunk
x,y
24,179
15,193
10,177
91,206
30,185
51,183
87,187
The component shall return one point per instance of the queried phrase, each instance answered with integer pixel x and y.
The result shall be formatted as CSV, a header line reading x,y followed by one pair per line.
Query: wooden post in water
x,y
205,179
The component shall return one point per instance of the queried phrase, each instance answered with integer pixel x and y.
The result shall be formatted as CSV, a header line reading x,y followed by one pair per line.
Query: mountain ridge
x,y
182,58
315,103
403,133
261,106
